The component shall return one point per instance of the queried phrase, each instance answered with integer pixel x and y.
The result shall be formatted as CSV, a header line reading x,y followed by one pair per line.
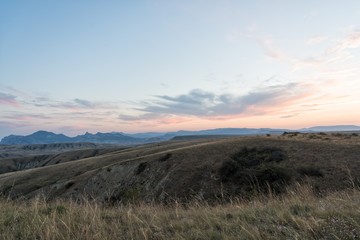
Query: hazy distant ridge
x,y
44,137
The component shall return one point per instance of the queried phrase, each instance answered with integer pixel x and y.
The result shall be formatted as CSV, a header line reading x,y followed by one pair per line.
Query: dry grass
x,y
299,214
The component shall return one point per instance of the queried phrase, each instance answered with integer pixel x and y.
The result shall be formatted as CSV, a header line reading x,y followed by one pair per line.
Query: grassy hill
x,y
35,161
17,151
209,169
190,189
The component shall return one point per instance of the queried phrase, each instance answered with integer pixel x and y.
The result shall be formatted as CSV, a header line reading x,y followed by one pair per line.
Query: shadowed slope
x,y
17,151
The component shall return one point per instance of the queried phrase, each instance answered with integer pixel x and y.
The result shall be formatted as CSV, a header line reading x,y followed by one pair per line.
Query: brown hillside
x,y
17,151
195,169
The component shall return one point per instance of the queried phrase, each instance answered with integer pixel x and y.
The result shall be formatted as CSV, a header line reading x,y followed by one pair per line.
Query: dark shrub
x,y
310,171
251,157
313,136
229,170
126,195
165,157
276,155
142,166
69,184
274,175
291,134
337,134
258,165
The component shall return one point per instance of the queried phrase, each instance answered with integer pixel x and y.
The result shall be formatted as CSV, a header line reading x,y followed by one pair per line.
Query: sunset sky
x,y
138,66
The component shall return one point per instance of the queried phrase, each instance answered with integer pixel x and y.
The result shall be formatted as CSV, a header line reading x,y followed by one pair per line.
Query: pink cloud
x,y
8,99
266,44
316,40
352,41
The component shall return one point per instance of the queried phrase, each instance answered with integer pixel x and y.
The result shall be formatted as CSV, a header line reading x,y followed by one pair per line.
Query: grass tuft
x,y
310,171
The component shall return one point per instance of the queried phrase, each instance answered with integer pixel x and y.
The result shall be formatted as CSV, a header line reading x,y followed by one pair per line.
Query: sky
x,y
145,66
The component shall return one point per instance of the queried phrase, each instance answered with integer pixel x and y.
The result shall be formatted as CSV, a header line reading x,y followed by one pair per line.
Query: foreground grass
x,y
297,215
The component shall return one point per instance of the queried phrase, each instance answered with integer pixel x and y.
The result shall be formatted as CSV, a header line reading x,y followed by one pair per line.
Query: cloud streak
x,y
207,105
8,99
73,105
316,40
336,54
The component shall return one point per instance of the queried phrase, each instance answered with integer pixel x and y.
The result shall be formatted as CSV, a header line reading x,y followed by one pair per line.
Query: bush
x,y
291,134
126,195
69,184
252,157
258,165
313,136
274,175
310,171
337,134
142,166
165,157
228,170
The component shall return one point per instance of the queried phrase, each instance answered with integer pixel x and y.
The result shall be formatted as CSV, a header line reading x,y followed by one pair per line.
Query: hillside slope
x,y
195,169
16,151
23,163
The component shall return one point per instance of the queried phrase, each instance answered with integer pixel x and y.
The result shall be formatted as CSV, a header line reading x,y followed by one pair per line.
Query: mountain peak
x,y
42,132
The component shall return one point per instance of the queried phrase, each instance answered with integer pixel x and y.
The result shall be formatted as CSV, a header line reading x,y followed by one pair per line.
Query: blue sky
x,y
134,66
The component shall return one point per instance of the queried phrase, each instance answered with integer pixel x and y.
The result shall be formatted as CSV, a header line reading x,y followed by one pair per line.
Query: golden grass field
x,y
298,214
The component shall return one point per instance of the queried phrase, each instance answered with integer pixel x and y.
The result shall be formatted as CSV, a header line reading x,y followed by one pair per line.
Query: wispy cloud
x,y
25,116
350,42
316,39
336,54
208,105
266,42
74,105
11,124
8,99
85,103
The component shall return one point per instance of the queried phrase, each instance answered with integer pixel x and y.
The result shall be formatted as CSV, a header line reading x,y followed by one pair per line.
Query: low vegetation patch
x,y
291,134
257,166
127,195
310,171
142,166
165,157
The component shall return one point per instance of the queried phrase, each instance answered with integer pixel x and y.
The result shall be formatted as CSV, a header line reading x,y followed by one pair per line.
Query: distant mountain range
x,y
44,137
331,128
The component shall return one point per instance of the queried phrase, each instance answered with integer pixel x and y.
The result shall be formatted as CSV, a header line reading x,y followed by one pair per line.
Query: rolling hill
x,y
192,169
16,151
